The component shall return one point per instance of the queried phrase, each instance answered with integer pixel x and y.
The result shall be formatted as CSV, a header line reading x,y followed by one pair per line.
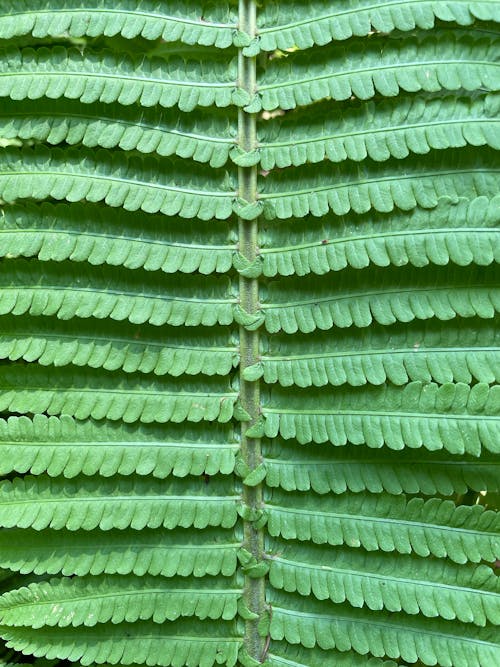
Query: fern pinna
x,y
248,333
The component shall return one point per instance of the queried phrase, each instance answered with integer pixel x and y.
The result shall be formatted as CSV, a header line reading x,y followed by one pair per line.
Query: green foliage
x,y
462,233
103,76
401,471
114,178
396,129
64,446
435,352
368,520
167,553
249,349
209,139
113,348
455,60
74,504
95,18
447,591
297,193
90,234
100,396
287,25
450,416
289,655
366,632
64,602
384,296
192,642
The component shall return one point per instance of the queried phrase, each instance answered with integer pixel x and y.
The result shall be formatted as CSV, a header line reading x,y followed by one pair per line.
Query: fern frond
x,y
332,501
192,642
455,417
390,523
114,346
130,182
80,291
88,503
105,76
151,20
64,446
207,138
160,552
91,600
434,588
27,388
462,232
381,296
294,468
448,60
319,22
470,350
381,634
91,233
380,130
379,187
282,654
442,364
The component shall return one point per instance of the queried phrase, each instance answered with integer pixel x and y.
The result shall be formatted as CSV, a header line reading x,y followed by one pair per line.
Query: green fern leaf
x,y
454,417
463,233
332,627
395,583
64,446
370,186
92,600
115,347
285,26
384,297
86,233
70,291
290,655
293,468
135,183
379,354
197,643
115,503
162,552
389,523
100,77
380,130
248,360
151,20
98,395
208,139
448,60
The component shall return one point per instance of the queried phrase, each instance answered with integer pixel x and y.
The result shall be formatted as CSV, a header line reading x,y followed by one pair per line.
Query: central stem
x,y
254,591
